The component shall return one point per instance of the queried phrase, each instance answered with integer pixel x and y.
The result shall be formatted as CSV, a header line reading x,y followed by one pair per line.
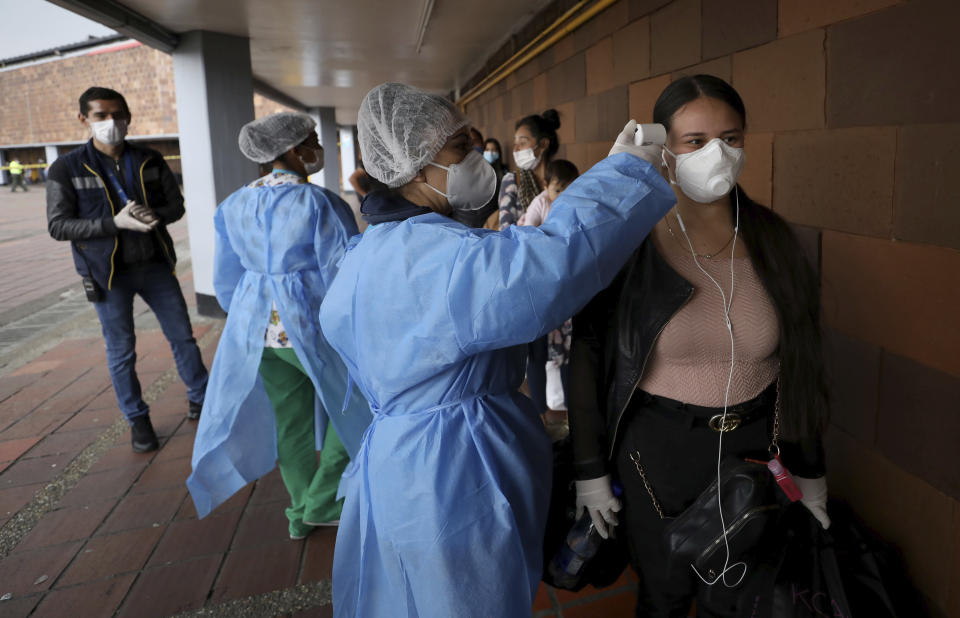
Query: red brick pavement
x,y
125,539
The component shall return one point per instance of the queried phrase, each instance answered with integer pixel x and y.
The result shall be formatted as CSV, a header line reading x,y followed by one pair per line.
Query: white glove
x,y
143,214
596,496
814,497
625,143
125,219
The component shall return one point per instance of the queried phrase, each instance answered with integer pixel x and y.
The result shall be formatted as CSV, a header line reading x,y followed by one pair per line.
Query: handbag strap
x,y
635,458
773,449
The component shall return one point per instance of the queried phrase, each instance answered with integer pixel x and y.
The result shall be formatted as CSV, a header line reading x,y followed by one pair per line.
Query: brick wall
x,y
38,103
853,134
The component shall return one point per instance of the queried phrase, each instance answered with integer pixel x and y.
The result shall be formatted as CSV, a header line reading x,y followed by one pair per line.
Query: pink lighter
x,y
784,480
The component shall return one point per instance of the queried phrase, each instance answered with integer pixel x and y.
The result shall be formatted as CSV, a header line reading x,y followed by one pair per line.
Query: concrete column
x,y
4,175
50,155
348,157
329,178
214,85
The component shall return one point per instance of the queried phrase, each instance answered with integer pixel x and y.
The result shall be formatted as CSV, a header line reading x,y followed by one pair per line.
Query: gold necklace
x,y
708,256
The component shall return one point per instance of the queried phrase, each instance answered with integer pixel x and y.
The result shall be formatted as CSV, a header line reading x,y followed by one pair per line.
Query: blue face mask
x,y
490,156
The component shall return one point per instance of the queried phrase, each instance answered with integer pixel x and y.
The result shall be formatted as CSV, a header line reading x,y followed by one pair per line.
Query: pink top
x,y
537,211
690,361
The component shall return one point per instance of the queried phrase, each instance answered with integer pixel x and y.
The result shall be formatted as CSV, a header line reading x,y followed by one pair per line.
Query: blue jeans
x,y
157,285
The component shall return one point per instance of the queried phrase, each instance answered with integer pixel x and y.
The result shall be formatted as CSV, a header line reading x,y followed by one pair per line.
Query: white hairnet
x,y
401,129
265,139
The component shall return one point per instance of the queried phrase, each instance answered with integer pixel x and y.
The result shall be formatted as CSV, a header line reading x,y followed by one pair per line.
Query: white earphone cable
x,y
727,304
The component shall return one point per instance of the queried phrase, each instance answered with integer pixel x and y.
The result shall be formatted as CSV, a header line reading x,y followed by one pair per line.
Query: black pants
x,y
16,180
679,456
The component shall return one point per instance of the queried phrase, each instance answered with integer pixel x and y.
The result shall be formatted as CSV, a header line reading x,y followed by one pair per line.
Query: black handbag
x,y
750,510
842,572
610,560
751,507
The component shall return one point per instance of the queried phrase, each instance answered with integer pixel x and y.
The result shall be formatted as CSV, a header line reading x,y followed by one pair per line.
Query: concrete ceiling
x,y
330,52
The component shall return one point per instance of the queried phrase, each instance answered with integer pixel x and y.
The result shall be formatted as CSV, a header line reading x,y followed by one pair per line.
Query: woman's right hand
x,y
596,495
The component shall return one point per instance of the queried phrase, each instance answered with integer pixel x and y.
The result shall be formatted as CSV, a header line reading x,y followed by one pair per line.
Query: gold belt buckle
x,y
718,424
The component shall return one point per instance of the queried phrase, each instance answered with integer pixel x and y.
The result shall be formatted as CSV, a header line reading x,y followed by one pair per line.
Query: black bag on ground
x,y
610,560
842,572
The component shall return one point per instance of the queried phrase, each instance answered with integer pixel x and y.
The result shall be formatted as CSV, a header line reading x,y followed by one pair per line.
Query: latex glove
x,y
143,214
596,496
624,143
814,497
125,220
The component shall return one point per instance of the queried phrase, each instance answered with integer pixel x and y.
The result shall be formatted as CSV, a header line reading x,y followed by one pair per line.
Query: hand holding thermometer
x,y
650,135
641,140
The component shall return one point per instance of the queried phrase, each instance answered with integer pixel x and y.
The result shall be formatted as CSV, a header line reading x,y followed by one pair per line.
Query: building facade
x,y
39,92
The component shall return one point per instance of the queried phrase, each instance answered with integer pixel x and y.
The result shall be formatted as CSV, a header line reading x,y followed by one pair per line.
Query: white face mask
x,y
110,132
470,183
314,166
707,174
525,159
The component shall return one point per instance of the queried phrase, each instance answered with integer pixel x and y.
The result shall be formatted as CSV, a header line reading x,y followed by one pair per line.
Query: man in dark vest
x,y
113,200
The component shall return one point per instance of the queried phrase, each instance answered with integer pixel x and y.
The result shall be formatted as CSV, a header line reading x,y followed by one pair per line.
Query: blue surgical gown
x,y
446,500
274,244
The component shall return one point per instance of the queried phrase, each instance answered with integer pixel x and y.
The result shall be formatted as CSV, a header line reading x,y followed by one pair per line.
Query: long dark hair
x,y
496,144
543,126
786,275
794,287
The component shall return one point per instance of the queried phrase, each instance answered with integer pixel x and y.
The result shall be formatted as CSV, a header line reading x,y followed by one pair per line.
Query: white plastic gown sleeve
x,y
511,287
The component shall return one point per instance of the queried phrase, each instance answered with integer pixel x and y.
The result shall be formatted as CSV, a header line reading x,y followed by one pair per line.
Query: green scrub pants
x,y
312,486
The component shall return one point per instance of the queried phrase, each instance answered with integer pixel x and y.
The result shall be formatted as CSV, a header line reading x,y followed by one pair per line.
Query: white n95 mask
x,y
707,174
470,183
525,159
110,131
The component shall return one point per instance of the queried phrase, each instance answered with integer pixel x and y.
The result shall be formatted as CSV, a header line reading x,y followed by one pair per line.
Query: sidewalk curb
x,y
22,352
21,311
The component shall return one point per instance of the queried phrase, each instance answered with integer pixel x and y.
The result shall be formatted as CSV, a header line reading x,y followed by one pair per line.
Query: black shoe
x,y
142,436
193,413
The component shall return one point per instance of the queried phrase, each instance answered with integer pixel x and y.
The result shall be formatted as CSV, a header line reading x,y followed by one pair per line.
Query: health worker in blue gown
x,y
446,500
277,390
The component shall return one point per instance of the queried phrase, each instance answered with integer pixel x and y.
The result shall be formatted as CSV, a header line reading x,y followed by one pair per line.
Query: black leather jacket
x,y
613,337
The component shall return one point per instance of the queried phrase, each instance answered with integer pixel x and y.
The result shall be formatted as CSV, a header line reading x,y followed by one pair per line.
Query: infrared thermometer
x,y
650,134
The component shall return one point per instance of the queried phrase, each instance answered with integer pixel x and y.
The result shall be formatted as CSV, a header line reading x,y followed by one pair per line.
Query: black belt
x,y
702,416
